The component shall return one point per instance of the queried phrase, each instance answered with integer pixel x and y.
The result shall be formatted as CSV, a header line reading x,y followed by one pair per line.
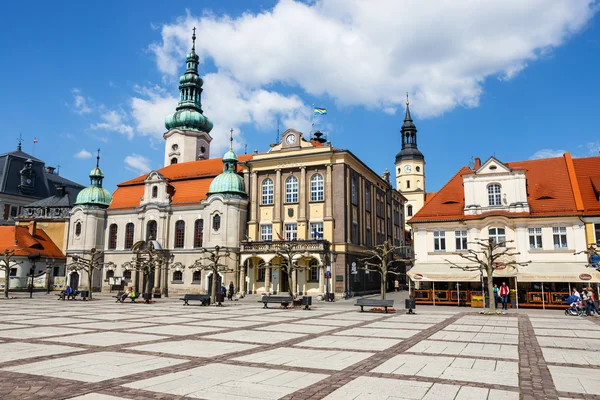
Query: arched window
x,y
173,161
316,188
151,230
196,276
127,274
494,194
409,211
154,192
179,234
198,233
291,190
177,276
260,273
112,237
267,191
129,235
110,274
313,272
216,222
78,229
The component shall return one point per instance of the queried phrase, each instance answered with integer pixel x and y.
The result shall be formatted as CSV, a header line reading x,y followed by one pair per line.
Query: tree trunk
x,y
213,293
290,283
90,278
383,285
6,281
490,286
148,285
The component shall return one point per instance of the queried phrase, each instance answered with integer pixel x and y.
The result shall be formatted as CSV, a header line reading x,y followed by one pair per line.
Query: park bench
x,y
120,298
283,300
204,299
374,303
64,296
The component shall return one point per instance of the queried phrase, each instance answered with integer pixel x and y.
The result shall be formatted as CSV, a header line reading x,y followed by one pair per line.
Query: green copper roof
x,y
189,114
229,182
94,196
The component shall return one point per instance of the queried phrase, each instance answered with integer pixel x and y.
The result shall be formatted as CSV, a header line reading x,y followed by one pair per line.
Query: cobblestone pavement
x,y
108,351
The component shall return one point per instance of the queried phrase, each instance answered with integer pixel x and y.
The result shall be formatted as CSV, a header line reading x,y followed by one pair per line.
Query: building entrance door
x,y
74,280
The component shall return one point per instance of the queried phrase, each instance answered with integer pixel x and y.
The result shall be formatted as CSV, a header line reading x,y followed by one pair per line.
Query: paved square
x,y
466,349
39,332
95,367
196,348
576,380
379,332
459,369
177,330
297,328
20,351
256,336
349,343
568,343
305,358
219,381
108,338
481,337
569,356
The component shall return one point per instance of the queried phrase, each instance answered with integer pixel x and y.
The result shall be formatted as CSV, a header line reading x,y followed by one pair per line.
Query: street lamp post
x,y
49,267
32,259
328,274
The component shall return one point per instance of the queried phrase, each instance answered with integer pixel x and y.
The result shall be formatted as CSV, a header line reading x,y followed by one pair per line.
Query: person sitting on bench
x,y
68,291
129,293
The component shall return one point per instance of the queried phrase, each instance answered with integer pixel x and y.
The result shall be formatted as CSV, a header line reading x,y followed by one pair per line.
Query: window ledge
x,y
177,282
265,204
317,201
196,282
550,251
431,253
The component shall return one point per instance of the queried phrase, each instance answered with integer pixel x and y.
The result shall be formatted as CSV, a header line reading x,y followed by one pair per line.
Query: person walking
x,y
396,285
590,303
504,291
231,289
496,295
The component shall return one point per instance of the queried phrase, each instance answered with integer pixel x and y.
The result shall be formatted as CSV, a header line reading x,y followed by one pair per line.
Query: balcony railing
x,y
313,246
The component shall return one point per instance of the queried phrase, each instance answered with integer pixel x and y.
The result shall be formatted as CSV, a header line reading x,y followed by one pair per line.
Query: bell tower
x,y
410,167
188,138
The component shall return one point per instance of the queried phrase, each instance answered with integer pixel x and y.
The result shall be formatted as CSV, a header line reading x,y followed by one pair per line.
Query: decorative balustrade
x,y
312,246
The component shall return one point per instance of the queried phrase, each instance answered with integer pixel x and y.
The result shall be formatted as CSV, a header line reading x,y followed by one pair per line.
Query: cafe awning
x,y
441,272
557,272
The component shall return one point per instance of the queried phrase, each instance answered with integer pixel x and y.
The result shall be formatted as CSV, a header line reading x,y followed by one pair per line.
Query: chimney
x,y
61,190
50,170
477,162
32,228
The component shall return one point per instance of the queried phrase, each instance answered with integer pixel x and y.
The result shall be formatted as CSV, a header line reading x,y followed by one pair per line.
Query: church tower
x,y
187,138
410,167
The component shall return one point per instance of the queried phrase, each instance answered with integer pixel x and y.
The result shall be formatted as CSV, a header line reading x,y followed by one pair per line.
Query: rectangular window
x,y
316,230
260,273
498,235
12,272
266,232
369,237
14,211
353,191
560,237
291,231
367,198
461,240
198,233
439,241
267,191
535,238
313,275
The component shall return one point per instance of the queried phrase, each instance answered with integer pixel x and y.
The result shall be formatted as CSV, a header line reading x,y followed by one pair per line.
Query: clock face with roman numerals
x,y
290,139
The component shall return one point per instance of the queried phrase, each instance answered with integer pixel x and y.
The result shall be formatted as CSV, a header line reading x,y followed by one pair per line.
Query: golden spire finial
x,y
231,139
407,102
194,39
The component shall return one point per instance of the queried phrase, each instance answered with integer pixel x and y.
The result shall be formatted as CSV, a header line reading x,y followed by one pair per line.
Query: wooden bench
x,y
64,296
204,299
120,298
374,303
283,300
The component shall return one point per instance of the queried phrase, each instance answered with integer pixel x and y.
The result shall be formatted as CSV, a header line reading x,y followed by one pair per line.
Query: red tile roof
x,y
190,180
19,239
555,186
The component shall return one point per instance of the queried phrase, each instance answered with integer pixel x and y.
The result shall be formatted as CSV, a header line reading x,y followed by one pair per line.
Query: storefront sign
x,y
417,277
585,277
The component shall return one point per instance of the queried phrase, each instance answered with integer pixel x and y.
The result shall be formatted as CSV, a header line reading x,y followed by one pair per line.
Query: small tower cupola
x,y
95,196
229,182
408,131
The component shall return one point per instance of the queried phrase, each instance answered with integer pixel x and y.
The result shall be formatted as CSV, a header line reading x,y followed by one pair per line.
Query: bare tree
x,y
211,261
487,256
592,256
290,252
384,259
89,265
148,259
6,264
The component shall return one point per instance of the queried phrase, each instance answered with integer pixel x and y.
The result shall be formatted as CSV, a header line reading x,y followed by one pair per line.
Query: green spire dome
x,y
94,196
188,114
229,182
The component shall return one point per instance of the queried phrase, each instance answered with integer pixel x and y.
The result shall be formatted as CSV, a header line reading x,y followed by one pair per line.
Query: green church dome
x,y
188,119
94,196
229,182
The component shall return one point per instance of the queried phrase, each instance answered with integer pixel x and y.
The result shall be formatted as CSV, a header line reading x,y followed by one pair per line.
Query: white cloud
x,y
113,121
594,148
83,154
80,102
547,153
137,163
371,53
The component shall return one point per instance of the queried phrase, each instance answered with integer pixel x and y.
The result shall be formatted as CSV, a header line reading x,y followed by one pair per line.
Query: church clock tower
x,y
187,138
410,167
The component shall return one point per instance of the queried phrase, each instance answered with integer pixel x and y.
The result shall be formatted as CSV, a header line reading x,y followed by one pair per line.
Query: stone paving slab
x,y
576,380
489,321
371,388
54,321
177,330
359,316
570,356
307,358
349,343
113,325
39,332
97,396
20,351
105,339
265,318
379,332
222,381
486,350
95,367
297,328
328,322
569,343
484,329
195,348
461,369
12,326
255,336
476,337
570,333
112,316
225,323
392,324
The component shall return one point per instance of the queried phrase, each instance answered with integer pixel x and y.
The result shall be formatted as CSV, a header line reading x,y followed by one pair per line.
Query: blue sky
x,y
516,80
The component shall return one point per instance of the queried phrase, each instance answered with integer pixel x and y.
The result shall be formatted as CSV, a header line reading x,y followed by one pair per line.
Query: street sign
x,y
275,275
328,274
354,271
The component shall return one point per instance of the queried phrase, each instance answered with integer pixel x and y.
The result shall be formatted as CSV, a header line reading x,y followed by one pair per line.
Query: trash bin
x,y
409,304
147,297
307,302
84,294
219,298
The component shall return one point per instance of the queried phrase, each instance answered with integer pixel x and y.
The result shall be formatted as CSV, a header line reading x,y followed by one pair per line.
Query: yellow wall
x,y
589,233
54,229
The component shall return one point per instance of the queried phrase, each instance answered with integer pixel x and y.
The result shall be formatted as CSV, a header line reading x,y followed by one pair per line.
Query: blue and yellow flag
x,y
320,111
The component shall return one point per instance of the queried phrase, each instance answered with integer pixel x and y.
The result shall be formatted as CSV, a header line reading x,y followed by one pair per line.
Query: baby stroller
x,y
575,306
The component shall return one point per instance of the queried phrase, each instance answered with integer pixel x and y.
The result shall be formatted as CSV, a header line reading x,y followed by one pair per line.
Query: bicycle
x,y
348,294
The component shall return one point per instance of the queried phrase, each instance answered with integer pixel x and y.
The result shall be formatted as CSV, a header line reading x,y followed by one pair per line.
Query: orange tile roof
x,y
26,243
190,180
553,187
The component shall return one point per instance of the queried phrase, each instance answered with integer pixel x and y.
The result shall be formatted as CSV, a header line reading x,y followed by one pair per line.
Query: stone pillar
x,y
302,196
294,289
242,284
278,199
157,275
321,280
328,194
268,279
254,198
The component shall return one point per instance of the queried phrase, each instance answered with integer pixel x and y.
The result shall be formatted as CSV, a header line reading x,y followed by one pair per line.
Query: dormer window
x,y
173,161
154,192
494,194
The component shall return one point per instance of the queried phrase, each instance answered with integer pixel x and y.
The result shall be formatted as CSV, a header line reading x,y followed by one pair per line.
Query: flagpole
x,y
312,123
